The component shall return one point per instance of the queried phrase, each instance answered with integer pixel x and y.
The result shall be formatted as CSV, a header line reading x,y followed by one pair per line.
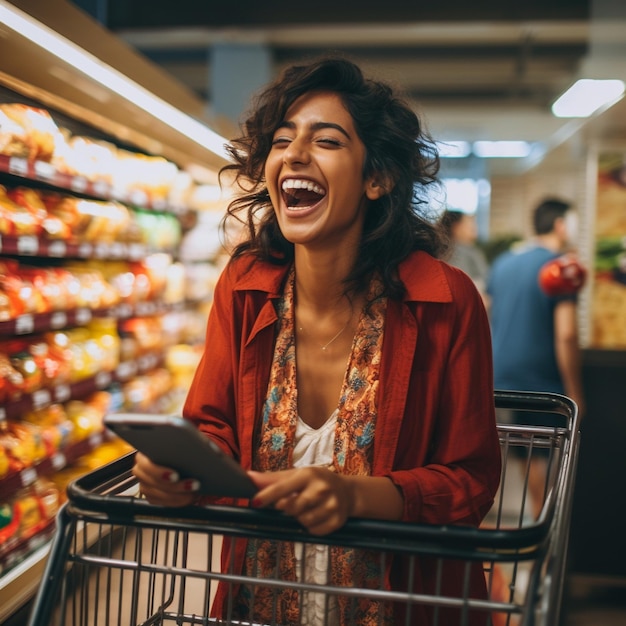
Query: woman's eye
x,y
277,141
329,141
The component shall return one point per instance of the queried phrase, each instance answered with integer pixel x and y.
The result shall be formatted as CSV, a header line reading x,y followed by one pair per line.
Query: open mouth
x,y
301,193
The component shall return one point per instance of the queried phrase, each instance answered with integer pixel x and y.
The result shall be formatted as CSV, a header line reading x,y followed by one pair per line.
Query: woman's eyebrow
x,y
324,125
316,126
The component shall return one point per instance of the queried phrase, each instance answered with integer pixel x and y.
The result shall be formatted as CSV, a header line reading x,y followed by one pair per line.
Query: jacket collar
x,y
423,276
424,279
261,276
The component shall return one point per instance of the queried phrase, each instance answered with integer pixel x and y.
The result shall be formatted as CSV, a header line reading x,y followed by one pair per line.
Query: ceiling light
x,y
453,149
586,96
501,149
112,79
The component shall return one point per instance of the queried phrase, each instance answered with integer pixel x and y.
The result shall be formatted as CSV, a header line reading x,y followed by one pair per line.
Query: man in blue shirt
x,y
535,335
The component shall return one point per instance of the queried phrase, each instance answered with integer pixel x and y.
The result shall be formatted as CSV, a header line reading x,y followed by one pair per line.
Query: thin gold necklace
x,y
323,348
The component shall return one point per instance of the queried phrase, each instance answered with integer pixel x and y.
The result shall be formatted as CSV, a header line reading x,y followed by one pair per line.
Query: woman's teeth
x,y
308,185
301,193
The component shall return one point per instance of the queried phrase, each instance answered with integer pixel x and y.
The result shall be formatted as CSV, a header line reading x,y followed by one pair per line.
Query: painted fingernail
x,y
171,476
191,485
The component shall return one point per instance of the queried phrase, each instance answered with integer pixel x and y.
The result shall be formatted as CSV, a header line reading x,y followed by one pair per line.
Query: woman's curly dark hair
x,y
398,149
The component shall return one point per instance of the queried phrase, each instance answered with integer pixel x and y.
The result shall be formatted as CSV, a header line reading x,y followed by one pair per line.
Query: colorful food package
x,y
93,159
22,443
16,220
54,425
28,132
31,200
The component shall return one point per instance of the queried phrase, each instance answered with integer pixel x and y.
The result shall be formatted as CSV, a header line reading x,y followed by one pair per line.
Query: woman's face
x,y
314,173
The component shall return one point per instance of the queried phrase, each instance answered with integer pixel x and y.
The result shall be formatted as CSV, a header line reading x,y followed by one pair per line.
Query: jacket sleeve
x,y
210,402
455,478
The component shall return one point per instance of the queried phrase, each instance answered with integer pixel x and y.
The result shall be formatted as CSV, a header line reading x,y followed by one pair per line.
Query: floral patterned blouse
x,y
352,454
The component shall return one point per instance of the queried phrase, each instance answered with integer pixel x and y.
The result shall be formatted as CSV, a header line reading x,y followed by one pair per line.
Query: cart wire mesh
x,y
116,560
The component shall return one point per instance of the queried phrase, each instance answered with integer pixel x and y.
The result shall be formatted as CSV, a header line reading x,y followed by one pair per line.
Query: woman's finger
x,y
162,485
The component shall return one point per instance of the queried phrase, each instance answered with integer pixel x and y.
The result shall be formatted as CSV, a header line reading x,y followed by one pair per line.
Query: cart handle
x,y
101,492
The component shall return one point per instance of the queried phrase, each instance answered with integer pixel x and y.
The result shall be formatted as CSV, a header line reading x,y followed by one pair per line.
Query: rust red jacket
x,y
436,436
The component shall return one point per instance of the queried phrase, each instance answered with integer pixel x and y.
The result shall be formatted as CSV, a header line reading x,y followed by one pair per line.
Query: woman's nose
x,y
296,152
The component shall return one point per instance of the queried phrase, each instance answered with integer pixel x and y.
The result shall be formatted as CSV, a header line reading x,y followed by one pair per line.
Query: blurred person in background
x,y
534,320
462,233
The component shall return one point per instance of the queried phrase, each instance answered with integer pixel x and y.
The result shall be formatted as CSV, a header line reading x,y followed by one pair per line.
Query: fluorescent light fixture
x,y
453,149
501,149
586,96
462,194
94,68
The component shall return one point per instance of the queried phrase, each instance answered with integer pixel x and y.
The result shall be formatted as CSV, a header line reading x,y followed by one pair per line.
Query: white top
x,y
314,447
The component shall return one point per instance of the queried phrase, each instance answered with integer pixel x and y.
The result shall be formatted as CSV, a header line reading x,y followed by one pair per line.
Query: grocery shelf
x,y
59,460
30,246
33,69
29,323
19,584
32,74
48,174
64,392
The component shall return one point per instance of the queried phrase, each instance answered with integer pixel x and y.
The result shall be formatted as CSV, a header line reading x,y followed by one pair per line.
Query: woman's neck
x,y
320,279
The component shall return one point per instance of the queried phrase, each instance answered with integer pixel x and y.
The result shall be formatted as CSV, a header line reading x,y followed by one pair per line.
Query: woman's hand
x,y
319,499
162,485
322,500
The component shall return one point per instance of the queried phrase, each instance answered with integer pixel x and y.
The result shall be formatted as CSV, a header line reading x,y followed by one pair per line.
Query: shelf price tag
x,y
58,319
62,393
57,249
123,310
27,245
83,316
147,362
24,324
101,250
126,370
41,398
18,166
28,476
138,197
85,250
102,188
136,251
103,379
58,461
44,170
145,308
78,183
118,250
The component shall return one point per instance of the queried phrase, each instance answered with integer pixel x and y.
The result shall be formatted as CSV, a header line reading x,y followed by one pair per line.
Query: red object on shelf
x,y
562,276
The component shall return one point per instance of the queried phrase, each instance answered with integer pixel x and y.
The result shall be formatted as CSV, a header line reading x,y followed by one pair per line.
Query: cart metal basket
x,y
116,560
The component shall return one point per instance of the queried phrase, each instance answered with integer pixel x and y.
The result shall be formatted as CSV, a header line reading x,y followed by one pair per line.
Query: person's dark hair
x,y
547,212
398,149
448,219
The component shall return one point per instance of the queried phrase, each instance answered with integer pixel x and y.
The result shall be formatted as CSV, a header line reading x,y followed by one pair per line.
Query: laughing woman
x,y
347,368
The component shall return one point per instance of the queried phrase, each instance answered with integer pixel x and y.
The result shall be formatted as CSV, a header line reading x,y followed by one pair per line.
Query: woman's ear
x,y
376,187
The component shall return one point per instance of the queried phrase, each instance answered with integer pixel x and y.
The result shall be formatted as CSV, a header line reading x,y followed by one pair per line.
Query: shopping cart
x,y
117,560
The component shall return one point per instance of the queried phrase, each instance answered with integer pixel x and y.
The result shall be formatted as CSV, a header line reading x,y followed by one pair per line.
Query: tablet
x,y
174,442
